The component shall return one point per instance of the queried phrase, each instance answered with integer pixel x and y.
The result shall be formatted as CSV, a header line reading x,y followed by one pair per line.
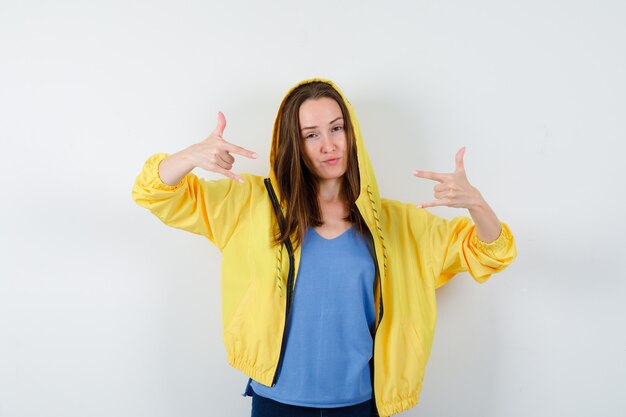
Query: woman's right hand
x,y
212,154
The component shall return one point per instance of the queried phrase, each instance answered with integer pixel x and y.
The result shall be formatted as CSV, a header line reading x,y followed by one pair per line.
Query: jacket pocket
x,y
242,313
414,340
415,354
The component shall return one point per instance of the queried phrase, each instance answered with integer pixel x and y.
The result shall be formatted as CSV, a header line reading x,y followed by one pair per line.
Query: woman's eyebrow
x,y
315,127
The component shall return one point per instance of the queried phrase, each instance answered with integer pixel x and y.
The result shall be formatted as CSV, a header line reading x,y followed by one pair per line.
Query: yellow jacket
x,y
415,251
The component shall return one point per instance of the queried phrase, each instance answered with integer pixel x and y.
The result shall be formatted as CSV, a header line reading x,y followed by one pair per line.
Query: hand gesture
x,y
214,153
453,189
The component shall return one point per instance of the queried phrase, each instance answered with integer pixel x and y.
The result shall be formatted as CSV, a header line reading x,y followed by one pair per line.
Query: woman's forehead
x,y
314,112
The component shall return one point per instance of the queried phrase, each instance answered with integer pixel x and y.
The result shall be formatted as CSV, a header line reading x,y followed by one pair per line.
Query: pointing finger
x,y
240,151
459,159
435,176
434,203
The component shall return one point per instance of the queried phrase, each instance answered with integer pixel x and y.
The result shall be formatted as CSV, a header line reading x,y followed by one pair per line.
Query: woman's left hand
x,y
452,189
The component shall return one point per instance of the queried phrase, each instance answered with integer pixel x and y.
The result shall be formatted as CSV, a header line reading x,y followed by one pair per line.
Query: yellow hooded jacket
x,y
415,252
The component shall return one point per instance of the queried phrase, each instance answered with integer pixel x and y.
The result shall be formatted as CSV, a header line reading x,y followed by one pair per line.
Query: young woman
x,y
328,290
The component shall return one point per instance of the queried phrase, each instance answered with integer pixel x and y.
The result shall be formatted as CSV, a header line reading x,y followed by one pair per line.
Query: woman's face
x,y
323,137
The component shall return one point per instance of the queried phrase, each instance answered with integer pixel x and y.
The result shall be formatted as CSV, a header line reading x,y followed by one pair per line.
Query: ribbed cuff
x,y
497,246
152,168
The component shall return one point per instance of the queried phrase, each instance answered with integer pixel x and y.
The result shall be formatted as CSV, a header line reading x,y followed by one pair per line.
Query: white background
x,y
104,311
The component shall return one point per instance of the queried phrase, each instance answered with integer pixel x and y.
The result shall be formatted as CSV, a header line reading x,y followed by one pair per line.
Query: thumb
x,y
221,124
459,160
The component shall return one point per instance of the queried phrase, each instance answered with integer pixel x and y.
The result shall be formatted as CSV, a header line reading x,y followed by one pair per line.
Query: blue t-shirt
x,y
329,332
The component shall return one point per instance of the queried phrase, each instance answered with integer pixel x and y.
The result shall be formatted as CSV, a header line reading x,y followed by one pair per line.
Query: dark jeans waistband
x,y
266,407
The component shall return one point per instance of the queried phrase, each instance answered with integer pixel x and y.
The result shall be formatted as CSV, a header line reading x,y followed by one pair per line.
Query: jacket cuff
x,y
152,169
498,247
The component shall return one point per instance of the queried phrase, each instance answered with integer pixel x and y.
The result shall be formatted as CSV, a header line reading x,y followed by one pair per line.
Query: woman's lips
x,y
332,161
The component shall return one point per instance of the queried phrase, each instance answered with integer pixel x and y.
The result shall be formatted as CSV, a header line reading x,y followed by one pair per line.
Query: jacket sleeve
x,y
205,207
457,248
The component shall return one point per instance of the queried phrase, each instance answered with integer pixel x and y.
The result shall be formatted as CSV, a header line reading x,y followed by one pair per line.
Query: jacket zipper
x,y
372,248
380,319
281,225
374,408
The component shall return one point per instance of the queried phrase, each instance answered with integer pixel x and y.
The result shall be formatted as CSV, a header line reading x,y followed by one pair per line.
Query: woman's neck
x,y
333,209
330,191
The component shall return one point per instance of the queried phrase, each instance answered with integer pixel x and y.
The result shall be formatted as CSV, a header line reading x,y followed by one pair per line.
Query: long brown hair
x,y
299,186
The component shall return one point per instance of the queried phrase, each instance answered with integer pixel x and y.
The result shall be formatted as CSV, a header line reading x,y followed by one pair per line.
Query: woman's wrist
x,y
477,202
174,168
487,224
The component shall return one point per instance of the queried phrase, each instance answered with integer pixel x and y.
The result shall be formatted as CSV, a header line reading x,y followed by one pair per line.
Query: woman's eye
x,y
310,136
337,128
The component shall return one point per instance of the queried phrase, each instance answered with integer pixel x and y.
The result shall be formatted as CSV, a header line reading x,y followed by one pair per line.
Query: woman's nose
x,y
327,144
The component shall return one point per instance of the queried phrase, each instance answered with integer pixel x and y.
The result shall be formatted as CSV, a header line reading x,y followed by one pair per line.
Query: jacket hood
x,y
366,172
368,201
